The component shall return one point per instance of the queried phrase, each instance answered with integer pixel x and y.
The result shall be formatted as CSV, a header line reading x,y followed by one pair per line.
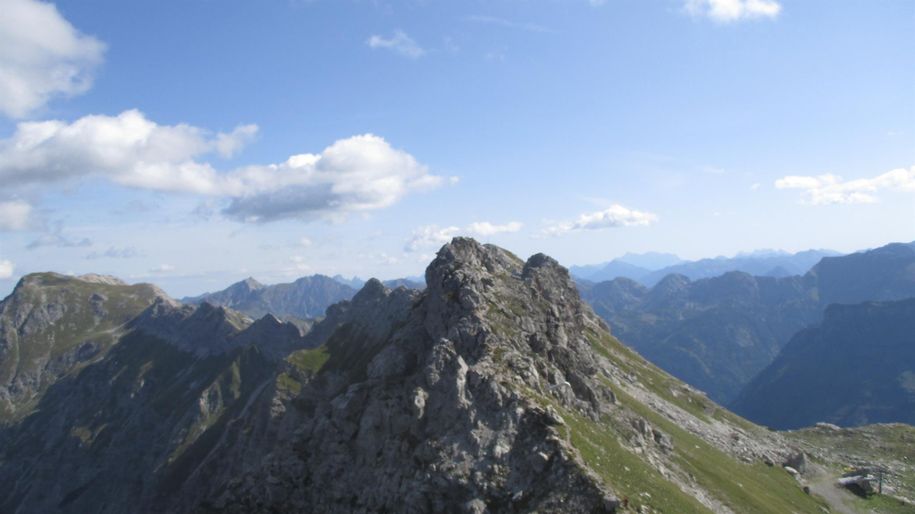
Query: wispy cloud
x,y
55,238
14,215
485,228
298,265
429,236
726,11
162,269
830,189
6,269
399,43
614,216
114,252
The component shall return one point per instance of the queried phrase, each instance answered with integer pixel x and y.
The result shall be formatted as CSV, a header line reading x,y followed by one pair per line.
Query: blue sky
x,y
155,140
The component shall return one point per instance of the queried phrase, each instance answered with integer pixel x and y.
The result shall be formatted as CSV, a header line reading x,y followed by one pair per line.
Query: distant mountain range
x,y
856,367
649,269
305,298
630,265
415,282
718,333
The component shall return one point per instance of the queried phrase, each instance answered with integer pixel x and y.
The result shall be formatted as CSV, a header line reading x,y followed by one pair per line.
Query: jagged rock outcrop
x,y
415,410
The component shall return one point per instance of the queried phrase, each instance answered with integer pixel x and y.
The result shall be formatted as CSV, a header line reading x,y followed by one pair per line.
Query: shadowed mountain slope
x,y
718,333
857,367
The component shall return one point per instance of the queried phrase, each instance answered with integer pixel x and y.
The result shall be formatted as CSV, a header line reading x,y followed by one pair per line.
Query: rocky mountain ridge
x,y
496,389
305,298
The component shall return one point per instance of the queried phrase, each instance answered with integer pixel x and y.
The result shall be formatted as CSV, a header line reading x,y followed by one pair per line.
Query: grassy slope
x,y
78,325
741,486
301,365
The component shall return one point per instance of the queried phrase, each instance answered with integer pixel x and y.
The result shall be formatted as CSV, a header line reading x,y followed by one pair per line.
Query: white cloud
x,y
297,266
6,269
14,215
162,269
399,42
485,228
831,189
128,148
355,174
41,56
113,252
615,216
54,237
725,11
299,262
432,235
304,242
230,144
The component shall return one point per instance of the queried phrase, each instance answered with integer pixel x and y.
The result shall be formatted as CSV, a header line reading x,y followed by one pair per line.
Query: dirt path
x,y
823,484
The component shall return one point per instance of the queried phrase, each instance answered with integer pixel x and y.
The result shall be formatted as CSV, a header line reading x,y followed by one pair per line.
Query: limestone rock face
x,y
420,406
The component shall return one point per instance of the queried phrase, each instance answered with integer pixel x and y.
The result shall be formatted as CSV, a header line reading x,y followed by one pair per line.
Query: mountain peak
x,y
464,260
305,298
373,288
251,284
204,330
498,378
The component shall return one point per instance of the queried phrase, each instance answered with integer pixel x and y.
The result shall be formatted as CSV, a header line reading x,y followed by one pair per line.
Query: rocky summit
x,y
495,389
